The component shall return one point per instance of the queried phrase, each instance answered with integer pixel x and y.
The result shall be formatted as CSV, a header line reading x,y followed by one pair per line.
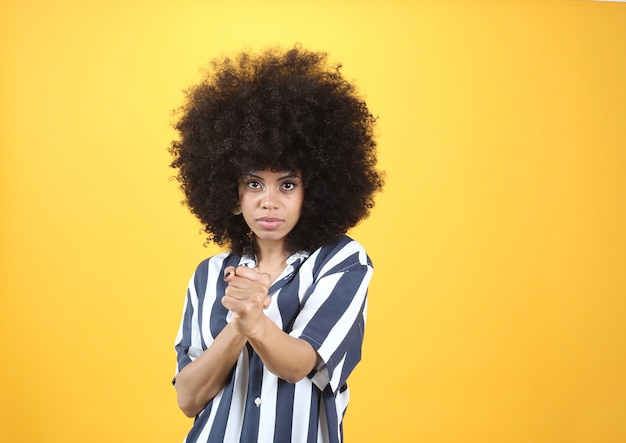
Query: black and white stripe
x,y
320,298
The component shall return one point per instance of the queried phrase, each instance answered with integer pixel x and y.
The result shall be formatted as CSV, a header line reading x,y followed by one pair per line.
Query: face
x,y
271,203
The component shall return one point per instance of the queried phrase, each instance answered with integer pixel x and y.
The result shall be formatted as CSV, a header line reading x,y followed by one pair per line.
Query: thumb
x,y
269,277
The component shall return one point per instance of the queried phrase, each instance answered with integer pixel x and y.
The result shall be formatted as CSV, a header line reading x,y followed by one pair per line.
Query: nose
x,y
269,199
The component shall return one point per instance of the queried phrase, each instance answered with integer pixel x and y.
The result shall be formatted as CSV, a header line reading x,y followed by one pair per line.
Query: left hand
x,y
246,296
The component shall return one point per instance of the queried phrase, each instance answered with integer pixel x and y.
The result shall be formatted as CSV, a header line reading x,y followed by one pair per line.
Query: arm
x,y
199,381
288,357
332,316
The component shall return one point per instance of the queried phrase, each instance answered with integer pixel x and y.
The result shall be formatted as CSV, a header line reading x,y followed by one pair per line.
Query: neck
x,y
271,251
271,257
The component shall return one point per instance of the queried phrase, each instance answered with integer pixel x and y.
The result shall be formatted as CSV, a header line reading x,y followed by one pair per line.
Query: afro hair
x,y
283,110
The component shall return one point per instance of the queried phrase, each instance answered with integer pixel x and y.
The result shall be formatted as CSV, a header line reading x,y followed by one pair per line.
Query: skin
x,y
271,204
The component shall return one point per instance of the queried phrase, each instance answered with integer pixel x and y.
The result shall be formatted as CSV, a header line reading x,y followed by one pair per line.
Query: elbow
x,y
295,376
190,409
188,404
189,412
290,375
302,370
293,380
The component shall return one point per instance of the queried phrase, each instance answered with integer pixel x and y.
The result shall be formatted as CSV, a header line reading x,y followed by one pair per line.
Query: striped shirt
x,y
320,298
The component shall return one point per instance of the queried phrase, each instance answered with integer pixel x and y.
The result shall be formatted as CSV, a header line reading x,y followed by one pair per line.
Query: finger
x,y
243,289
245,284
232,304
235,306
253,274
229,273
267,302
244,306
227,302
262,273
269,277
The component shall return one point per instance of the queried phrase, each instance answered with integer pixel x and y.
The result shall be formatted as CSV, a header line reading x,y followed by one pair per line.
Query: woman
x,y
276,157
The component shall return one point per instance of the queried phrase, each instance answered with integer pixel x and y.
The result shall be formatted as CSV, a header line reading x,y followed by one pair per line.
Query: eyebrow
x,y
290,175
285,177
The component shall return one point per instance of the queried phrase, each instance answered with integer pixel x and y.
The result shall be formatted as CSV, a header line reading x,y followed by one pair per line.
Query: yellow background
x,y
497,310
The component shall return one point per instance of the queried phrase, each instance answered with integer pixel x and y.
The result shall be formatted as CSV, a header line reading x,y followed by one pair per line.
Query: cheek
x,y
244,197
299,209
301,201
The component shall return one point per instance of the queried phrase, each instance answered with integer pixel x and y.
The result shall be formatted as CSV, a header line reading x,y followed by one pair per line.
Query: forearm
x,y
246,297
288,357
201,380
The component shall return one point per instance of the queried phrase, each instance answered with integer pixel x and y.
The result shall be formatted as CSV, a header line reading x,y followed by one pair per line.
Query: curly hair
x,y
286,111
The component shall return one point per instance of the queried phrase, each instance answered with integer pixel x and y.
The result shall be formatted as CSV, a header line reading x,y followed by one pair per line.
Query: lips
x,y
270,223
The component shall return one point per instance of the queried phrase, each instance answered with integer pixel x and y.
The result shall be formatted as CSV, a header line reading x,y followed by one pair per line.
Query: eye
x,y
289,186
253,184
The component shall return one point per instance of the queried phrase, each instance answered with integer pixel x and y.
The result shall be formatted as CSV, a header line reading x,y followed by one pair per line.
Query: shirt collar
x,y
251,262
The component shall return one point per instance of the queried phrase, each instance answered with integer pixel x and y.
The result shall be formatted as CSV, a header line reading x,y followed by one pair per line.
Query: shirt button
x,y
257,401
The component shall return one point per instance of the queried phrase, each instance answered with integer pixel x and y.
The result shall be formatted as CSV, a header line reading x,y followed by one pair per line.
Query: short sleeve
x,y
332,318
188,344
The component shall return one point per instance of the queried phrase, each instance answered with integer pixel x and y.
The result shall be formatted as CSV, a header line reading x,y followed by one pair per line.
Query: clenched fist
x,y
246,296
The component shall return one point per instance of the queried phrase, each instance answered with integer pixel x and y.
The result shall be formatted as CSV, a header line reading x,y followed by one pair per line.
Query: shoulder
x,y
344,247
339,256
213,264
215,259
